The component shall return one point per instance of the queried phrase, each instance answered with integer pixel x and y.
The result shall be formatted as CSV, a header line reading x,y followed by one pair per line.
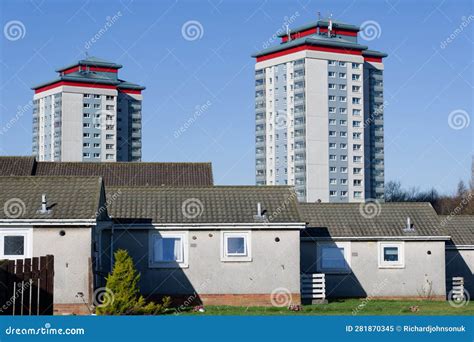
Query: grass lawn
x,y
346,307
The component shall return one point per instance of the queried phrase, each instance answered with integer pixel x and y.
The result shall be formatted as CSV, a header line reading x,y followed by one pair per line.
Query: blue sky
x,y
426,77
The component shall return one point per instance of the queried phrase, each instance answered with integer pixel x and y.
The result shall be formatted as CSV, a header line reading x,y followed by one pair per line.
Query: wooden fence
x,y
26,286
313,286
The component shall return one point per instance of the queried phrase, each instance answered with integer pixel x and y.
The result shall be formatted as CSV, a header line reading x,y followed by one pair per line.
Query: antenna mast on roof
x,y
330,26
317,25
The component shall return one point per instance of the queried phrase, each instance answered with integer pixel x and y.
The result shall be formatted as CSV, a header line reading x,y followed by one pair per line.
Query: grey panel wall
x,y
367,279
72,253
274,264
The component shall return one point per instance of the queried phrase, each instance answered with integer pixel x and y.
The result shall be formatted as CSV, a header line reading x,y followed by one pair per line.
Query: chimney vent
x,y
44,205
260,216
409,226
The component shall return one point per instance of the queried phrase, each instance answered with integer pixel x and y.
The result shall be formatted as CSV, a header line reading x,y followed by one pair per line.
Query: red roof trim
x,y
373,59
91,68
130,91
73,84
308,47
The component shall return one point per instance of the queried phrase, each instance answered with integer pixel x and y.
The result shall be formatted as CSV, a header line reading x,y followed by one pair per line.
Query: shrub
x,y
125,297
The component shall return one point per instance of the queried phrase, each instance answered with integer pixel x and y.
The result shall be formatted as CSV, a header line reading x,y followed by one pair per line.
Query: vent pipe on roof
x,y
260,217
44,204
409,227
317,24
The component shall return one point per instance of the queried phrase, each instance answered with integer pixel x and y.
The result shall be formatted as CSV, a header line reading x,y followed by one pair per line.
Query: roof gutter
x,y
460,247
371,238
49,222
170,226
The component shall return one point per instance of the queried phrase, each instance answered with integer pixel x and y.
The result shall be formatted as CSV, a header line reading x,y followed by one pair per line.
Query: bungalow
x,y
460,250
395,250
55,216
221,245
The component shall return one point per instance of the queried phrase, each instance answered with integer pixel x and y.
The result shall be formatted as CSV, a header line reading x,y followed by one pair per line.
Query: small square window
x,y
236,246
334,257
14,245
168,250
391,255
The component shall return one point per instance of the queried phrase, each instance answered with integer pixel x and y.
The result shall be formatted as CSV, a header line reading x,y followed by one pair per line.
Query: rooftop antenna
x,y
288,32
330,26
317,26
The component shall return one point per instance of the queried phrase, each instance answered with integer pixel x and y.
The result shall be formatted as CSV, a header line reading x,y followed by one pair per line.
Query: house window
x,y
391,254
236,246
334,257
168,249
15,244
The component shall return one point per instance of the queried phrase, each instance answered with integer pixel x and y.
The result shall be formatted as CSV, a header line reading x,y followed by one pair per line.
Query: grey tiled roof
x,y
67,197
346,220
116,173
461,229
134,174
218,204
16,166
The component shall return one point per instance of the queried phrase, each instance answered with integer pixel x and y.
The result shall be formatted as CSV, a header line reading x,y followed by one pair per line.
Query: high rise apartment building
x,y
88,114
319,114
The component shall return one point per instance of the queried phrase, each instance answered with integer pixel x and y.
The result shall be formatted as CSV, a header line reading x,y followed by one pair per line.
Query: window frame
x,y
183,235
247,235
346,245
400,245
27,234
